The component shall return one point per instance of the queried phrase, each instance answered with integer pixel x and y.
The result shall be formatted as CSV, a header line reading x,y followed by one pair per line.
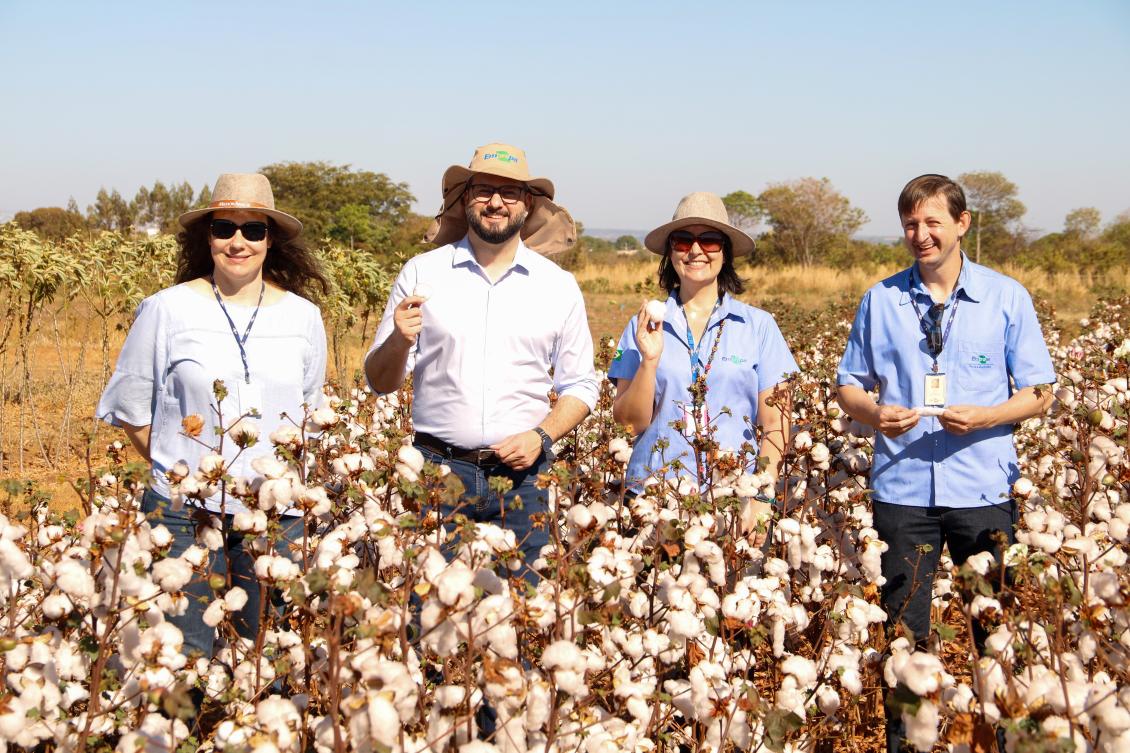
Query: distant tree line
x,y
805,221
357,208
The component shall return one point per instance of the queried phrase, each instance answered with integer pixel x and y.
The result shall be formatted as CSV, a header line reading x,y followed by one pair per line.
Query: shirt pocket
x,y
980,365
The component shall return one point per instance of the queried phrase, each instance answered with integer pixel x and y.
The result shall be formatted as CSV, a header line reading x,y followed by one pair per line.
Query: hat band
x,y
237,204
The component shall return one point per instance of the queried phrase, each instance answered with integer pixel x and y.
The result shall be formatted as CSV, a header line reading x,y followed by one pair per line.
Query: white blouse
x,y
180,343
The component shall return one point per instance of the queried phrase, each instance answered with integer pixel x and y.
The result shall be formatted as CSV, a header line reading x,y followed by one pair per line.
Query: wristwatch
x,y
546,442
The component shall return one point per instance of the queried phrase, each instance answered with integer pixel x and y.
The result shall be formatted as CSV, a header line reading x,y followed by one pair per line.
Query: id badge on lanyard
x,y
934,391
250,399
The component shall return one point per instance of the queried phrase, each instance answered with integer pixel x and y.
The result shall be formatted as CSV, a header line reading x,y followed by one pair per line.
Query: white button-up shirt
x,y
482,364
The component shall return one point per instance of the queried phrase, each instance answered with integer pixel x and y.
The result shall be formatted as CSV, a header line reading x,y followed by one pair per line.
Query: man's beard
x,y
501,235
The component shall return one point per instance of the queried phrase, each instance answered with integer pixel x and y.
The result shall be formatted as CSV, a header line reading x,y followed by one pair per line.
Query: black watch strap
x,y
546,440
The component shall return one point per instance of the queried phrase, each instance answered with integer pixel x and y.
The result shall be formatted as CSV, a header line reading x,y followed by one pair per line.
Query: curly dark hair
x,y
728,280
289,264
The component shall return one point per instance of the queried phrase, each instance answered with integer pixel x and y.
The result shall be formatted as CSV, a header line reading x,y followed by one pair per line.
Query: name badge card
x,y
935,391
250,399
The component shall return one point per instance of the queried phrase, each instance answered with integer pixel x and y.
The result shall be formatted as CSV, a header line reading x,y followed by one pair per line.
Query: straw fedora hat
x,y
699,208
245,191
549,229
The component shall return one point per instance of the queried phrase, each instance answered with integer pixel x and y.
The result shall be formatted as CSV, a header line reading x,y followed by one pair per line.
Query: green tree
x,y
743,209
627,243
52,223
991,198
809,218
316,192
110,212
1083,223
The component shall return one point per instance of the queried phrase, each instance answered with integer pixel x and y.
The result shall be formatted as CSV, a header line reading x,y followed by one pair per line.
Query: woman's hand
x,y
408,318
649,336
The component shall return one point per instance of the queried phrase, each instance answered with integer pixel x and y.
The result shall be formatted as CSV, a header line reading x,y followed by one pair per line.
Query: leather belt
x,y
482,456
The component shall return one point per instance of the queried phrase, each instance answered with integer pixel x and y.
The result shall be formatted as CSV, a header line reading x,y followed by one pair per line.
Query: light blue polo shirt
x,y
994,348
752,356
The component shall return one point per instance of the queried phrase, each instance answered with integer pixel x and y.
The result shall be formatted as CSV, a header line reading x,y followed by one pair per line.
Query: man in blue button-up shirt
x,y
956,354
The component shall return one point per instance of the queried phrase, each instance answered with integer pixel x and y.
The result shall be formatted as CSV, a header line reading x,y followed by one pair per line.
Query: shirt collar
x,y
463,256
727,309
968,283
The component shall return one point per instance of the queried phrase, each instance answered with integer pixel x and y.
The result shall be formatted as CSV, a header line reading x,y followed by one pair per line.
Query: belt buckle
x,y
485,455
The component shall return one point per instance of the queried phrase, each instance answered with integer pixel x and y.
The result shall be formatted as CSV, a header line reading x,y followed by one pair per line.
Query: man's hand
x,y
895,420
408,318
519,451
962,419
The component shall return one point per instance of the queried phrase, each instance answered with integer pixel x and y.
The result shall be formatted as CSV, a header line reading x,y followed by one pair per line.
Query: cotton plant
x,y
658,621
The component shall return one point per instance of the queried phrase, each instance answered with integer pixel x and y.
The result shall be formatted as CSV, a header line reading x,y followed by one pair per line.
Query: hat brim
x,y
656,240
549,229
288,225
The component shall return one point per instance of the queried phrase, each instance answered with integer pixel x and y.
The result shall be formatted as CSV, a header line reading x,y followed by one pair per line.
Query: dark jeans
x,y
908,592
482,505
232,557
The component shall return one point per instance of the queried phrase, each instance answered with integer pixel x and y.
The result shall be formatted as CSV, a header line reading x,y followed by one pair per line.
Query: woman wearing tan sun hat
x,y
238,313
702,335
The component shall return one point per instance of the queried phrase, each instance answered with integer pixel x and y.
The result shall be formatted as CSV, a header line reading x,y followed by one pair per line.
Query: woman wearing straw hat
x,y
701,338
238,313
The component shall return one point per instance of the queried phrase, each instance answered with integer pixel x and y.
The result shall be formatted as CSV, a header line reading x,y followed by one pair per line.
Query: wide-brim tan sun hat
x,y
549,229
250,191
699,208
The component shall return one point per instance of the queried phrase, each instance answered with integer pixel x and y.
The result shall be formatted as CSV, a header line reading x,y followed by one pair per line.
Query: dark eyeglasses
x,y
484,192
252,231
710,243
932,328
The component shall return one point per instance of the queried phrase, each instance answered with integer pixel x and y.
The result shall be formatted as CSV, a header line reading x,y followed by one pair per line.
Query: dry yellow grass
x,y
41,440
1072,294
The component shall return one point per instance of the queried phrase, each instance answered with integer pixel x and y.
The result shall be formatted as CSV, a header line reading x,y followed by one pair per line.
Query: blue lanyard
x,y
240,342
696,361
953,299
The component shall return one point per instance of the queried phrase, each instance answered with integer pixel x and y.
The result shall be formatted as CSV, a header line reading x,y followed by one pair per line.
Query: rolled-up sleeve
x,y
573,371
1026,352
857,367
130,394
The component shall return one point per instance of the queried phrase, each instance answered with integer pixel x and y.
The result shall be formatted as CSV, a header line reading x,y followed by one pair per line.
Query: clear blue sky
x,y
625,105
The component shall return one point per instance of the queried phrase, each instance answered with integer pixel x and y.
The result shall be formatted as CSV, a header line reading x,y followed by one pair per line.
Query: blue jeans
x,y
232,557
482,505
908,592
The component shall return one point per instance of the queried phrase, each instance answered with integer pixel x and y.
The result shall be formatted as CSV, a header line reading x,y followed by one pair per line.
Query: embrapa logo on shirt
x,y
981,361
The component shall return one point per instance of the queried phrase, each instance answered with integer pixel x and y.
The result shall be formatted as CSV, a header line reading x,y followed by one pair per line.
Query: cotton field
x,y
654,625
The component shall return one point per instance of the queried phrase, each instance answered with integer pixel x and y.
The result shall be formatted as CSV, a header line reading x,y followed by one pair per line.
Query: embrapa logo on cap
x,y
501,155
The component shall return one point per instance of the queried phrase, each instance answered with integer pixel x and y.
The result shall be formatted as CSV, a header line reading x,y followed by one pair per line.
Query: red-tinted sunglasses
x,y
683,240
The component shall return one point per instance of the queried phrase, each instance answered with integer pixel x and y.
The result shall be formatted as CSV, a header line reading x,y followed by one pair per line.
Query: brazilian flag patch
x,y
619,354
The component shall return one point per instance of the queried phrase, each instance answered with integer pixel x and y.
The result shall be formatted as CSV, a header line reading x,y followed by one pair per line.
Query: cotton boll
x,y
74,579
422,290
619,449
172,574
922,727
235,599
56,606
656,310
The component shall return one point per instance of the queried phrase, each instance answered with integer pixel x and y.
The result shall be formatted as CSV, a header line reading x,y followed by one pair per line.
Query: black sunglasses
x,y
252,231
933,328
